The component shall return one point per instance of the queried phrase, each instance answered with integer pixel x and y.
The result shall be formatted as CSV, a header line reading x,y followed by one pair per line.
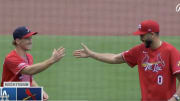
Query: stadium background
x,y
104,25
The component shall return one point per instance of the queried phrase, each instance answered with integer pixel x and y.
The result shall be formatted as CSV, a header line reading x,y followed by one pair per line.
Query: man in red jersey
x,y
158,63
18,64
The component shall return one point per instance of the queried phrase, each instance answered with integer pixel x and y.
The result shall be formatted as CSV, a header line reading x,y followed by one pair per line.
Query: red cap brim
x,y
139,32
29,34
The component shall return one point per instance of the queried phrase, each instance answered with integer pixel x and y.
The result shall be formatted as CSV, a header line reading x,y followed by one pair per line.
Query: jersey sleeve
x,y
131,56
15,65
175,60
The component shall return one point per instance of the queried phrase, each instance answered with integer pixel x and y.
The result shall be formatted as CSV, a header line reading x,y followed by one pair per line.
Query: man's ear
x,y
18,41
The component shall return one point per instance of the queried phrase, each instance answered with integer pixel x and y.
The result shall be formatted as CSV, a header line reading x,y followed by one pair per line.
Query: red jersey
x,y
12,66
157,69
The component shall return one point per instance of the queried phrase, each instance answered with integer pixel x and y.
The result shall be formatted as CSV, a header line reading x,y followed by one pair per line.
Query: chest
x,y
28,60
153,61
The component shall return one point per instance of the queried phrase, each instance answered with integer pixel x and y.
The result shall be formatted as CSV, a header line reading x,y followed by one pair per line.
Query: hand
x,y
45,96
58,54
82,53
172,99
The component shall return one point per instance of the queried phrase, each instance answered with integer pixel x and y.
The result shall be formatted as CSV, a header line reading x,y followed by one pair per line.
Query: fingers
x,y
61,52
84,46
58,54
45,96
54,51
86,49
45,99
77,53
61,48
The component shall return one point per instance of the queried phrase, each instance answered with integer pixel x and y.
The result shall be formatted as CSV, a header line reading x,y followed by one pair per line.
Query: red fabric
x,y
12,66
156,70
29,34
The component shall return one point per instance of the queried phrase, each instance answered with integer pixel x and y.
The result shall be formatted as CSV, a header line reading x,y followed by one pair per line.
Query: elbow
x,y
31,72
113,61
117,60
28,71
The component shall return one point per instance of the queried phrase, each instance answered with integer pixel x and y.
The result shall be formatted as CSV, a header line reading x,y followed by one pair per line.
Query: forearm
x,y
36,68
105,57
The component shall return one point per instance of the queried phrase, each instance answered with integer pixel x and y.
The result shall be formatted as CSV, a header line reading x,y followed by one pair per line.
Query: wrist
x,y
51,60
90,54
176,97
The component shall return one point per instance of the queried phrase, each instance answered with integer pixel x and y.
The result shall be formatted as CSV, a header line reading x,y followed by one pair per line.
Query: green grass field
x,y
85,79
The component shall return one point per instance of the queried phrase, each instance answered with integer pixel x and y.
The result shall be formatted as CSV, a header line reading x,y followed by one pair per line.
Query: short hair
x,y
14,42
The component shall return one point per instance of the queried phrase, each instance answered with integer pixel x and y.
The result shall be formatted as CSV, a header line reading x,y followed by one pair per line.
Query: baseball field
x,y
85,79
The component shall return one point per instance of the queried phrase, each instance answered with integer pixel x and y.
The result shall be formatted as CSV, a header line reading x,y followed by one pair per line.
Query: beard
x,y
148,43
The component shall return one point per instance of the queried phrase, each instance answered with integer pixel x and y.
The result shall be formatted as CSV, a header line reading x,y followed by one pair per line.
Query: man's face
x,y
147,39
25,43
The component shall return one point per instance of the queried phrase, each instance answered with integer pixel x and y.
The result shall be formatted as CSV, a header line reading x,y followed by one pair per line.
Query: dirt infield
x,y
88,17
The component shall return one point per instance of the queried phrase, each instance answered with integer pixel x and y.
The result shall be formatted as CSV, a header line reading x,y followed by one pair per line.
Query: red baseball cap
x,y
147,26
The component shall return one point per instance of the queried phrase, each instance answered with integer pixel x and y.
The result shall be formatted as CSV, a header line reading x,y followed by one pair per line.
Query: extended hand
x,y
58,54
45,96
82,53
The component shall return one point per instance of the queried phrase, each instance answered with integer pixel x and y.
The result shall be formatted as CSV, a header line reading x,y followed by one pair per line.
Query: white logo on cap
x,y
178,8
27,30
139,26
149,30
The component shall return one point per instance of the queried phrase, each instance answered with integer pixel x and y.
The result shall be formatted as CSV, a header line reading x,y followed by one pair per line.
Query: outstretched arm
x,y
39,67
104,57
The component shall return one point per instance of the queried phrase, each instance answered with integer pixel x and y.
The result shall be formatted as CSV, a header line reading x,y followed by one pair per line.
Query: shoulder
x,y
138,47
30,58
29,55
135,50
12,57
169,47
